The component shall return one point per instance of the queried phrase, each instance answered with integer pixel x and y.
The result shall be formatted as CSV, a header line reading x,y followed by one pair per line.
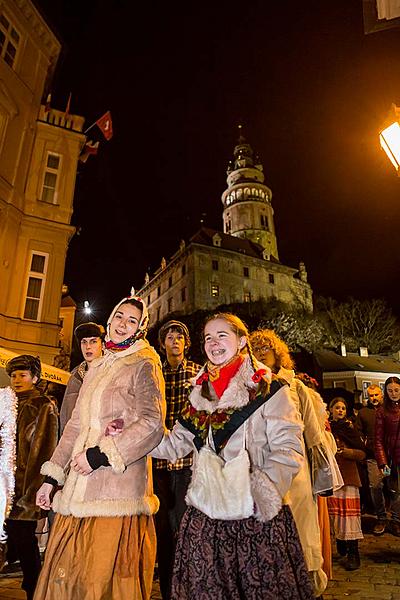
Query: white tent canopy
x,y
48,372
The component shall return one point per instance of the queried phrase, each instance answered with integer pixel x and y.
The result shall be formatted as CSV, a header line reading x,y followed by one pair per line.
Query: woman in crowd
x,y
387,446
102,543
344,506
274,353
236,539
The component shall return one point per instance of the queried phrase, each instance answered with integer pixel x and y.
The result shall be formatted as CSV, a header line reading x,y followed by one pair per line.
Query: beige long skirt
x,y
99,558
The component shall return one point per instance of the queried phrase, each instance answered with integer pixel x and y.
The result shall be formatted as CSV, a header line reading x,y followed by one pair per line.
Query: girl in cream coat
x,y
102,543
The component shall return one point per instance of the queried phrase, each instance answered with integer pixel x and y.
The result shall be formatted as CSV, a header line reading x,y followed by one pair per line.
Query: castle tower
x,y
248,212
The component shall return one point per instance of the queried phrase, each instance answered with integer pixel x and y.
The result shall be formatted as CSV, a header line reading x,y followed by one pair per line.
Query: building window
x,y
247,297
245,271
271,278
228,226
214,290
215,265
35,286
51,173
148,300
9,40
170,305
183,294
159,291
183,270
170,281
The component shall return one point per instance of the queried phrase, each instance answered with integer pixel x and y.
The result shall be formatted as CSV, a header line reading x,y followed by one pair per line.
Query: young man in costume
x,y
90,337
171,480
36,439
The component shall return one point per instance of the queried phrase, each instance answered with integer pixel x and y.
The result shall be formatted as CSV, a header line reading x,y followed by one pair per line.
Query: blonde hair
x,y
269,339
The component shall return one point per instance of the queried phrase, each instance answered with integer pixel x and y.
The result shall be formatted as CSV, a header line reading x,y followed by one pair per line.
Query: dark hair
x,y
171,326
387,403
133,302
337,399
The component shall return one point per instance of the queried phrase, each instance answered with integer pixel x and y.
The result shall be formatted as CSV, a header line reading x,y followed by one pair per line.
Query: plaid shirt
x,y
176,392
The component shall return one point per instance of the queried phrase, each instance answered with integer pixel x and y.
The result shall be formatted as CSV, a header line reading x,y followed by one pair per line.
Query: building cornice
x,y
39,29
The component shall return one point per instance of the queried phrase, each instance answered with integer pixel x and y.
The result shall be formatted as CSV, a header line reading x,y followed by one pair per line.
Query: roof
x,y
67,301
229,242
328,360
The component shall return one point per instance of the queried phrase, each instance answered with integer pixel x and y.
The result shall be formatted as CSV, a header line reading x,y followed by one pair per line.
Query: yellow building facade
x,y
39,150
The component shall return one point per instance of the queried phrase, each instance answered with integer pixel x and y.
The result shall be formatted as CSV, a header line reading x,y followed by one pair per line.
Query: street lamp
x,y
390,139
86,307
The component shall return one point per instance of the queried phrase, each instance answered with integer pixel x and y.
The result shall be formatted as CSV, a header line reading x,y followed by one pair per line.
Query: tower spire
x,y
248,212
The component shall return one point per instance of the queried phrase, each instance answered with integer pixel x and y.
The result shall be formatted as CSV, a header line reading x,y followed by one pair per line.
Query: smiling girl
x,y
237,538
344,506
102,543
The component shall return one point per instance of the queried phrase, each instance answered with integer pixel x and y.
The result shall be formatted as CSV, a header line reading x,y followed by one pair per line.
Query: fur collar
x,y
236,394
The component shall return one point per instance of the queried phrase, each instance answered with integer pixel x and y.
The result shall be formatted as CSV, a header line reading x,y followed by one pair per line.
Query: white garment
x,y
8,420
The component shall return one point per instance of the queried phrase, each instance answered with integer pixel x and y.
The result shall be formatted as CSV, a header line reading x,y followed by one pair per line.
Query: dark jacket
x,y
36,439
346,459
350,450
365,423
387,435
71,393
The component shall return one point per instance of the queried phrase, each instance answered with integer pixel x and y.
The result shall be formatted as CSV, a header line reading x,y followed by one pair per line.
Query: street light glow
x,y
390,142
86,307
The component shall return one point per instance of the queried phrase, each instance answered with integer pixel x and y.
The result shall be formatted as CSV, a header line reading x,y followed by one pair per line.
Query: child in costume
x,y
237,539
103,543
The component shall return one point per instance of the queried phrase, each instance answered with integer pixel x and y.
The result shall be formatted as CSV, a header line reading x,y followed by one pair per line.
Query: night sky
x,y
312,91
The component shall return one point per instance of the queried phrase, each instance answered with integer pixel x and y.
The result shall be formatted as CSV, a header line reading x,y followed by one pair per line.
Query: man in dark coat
x,y
365,424
36,439
90,338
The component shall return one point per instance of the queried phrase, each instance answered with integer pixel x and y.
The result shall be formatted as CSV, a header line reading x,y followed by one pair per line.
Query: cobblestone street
x,y
377,579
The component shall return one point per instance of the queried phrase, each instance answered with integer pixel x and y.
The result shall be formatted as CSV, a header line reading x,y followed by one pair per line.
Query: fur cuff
x,y
266,497
54,471
115,459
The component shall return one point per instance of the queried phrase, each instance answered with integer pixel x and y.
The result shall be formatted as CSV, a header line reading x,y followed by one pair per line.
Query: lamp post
x,y
86,307
390,139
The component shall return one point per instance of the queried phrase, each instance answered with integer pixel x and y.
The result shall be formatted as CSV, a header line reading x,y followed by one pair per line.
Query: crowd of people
x,y
233,475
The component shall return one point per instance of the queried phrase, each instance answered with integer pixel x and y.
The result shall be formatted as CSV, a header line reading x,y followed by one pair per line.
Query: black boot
x,y
341,547
353,557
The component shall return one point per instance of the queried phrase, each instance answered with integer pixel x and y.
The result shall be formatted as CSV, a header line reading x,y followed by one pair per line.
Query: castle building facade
x,y
239,264
39,150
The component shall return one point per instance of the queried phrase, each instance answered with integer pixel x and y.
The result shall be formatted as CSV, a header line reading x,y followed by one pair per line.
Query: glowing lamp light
x,y
86,307
390,142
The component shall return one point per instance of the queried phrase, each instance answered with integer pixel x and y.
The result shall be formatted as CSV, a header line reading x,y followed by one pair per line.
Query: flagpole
x,y
89,128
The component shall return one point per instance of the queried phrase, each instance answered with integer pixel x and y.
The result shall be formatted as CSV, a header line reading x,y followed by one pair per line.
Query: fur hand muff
x,y
266,497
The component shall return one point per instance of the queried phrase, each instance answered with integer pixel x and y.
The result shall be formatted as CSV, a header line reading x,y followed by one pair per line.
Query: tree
x,y
360,323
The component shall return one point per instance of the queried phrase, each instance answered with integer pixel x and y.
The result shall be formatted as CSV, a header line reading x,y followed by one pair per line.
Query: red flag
x,y
89,149
105,125
48,102
68,107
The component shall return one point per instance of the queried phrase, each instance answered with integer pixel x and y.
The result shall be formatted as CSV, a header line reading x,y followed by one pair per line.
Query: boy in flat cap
x,y
36,439
90,338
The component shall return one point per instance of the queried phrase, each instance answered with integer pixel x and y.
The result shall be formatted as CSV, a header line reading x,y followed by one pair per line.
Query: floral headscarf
x,y
140,332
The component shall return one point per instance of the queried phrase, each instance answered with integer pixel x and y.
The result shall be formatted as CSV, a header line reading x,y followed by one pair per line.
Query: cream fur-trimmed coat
x,y
127,385
273,439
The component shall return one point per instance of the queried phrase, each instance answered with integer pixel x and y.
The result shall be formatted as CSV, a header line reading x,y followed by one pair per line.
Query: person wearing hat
x,y
90,337
103,541
171,480
36,439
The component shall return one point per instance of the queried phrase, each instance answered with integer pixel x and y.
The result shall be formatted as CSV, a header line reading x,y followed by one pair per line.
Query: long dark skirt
x,y
239,560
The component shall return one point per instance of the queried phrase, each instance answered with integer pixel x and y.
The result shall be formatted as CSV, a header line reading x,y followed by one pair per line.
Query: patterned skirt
x,y
240,560
98,557
345,513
